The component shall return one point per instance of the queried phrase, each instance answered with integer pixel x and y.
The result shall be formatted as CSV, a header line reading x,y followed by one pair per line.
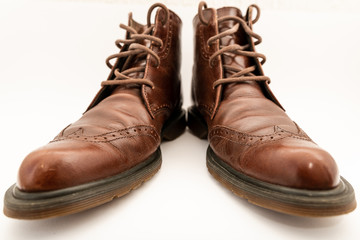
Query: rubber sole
x,y
25,205
299,202
337,201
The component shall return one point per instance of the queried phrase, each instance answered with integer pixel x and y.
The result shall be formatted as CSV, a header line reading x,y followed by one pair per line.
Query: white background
x,y
52,56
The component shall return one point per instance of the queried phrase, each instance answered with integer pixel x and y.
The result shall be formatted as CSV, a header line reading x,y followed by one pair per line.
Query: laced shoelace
x,y
136,48
238,74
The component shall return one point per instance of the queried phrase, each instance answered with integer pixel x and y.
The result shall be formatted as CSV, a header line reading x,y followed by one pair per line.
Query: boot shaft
x,y
224,47
163,71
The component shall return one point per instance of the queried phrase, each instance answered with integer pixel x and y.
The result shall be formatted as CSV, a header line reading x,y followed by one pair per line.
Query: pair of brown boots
x,y
255,149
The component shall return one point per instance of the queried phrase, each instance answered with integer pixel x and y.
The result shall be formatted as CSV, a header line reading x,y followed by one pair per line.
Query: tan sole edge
x,y
281,207
78,206
292,201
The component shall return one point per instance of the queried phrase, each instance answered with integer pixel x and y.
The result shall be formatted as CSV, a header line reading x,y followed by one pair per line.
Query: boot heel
x,y
175,126
196,123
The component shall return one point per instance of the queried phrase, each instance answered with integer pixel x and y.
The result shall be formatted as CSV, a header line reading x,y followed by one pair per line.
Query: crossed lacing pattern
x,y
136,48
238,74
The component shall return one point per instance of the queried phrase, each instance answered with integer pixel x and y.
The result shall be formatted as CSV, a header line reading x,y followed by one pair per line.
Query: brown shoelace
x,y
238,75
135,49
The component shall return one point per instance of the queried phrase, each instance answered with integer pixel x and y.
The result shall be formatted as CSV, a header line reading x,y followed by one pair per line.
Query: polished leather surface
x,y
247,127
122,126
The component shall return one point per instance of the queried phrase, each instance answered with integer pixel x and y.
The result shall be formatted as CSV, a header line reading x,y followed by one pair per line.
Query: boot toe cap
x,y
299,165
64,164
44,170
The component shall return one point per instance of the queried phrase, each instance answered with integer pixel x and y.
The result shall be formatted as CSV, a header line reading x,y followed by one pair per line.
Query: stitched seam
x,y
206,108
136,132
117,149
62,132
204,53
164,108
257,142
244,144
163,54
118,130
107,141
242,138
250,135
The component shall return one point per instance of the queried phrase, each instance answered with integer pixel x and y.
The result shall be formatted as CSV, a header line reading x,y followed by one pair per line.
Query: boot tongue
x,y
135,60
240,37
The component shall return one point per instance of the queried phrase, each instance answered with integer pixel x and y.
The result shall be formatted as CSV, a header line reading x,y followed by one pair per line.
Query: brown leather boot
x,y
255,149
114,147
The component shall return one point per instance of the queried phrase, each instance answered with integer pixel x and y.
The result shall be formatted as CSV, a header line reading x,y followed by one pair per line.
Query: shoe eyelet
x,y
157,66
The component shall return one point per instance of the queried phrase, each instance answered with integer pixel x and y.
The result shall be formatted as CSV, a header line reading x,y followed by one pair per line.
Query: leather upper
x,y
122,126
247,127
